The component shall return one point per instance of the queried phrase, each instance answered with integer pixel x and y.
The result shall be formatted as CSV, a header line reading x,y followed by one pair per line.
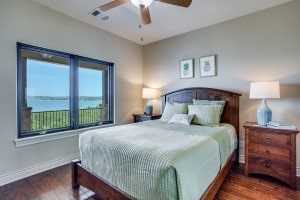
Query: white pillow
x,y
181,119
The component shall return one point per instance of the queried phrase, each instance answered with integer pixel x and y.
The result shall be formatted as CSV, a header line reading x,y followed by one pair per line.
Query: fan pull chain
x,y
141,31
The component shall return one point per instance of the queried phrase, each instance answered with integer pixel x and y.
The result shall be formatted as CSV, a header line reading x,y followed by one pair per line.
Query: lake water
x,y
47,105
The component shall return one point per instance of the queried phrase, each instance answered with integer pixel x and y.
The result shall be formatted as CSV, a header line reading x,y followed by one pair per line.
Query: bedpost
x,y
75,184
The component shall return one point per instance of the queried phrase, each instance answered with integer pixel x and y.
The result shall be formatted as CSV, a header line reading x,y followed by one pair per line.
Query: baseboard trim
x,y
242,159
23,173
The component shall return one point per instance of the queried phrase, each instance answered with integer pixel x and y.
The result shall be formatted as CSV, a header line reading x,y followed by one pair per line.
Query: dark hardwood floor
x,y
55,184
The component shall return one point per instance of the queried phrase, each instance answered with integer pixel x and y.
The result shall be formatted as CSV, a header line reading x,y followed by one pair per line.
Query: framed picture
x,y
207,66
187,68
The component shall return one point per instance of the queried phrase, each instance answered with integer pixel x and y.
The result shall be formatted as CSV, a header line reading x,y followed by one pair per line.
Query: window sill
x,y
54,136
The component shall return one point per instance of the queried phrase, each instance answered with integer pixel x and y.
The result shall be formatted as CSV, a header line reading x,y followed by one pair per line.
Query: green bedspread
x,y
225,134
156,160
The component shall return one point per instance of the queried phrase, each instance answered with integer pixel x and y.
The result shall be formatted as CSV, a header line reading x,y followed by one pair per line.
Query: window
x,y
59,91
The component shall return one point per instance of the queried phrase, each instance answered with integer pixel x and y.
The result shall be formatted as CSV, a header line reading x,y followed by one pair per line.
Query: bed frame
x,y
103,189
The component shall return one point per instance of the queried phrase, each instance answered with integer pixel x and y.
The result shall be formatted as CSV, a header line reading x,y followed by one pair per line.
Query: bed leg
x,y
74,166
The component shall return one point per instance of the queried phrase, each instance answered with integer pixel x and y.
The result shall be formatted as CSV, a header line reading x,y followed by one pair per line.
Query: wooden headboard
x,y
231,110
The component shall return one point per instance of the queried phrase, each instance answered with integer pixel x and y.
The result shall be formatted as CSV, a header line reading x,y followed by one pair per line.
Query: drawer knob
x,y
268,151
266,164
268,137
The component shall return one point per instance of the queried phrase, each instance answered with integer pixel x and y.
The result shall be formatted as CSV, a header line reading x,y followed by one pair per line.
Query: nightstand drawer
x,y
277,168
269,151
268,138
141,119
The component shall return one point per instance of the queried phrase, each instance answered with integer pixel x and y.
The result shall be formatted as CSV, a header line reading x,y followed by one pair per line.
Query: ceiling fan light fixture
x,y
141,3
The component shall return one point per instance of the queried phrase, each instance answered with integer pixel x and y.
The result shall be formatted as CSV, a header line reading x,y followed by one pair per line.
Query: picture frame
x,y
208,66
187,68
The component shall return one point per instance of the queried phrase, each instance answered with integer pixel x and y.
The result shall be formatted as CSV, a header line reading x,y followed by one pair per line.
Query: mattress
x,y
157,160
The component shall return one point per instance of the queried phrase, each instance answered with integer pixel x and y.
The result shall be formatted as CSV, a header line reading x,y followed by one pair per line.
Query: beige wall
x,y
264,46
28,22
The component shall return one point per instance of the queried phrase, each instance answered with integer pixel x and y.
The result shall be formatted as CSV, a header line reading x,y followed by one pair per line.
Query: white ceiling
x,y
167,20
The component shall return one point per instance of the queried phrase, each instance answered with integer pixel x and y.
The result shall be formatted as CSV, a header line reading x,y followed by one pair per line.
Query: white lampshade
x,y
264,90
138,3
149,93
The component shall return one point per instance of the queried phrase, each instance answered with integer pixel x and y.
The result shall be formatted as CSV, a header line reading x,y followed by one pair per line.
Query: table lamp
x,y
264,90
149,93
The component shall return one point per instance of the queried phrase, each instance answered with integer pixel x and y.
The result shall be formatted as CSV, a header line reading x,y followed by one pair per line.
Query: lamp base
x,y
149,110
264,114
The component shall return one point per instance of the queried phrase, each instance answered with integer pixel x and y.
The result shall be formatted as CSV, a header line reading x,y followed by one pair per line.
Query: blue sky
x,y
49,79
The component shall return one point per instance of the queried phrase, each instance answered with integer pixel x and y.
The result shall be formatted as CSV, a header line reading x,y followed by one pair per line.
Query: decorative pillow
x,y
208,102
171,109
181,119
208,115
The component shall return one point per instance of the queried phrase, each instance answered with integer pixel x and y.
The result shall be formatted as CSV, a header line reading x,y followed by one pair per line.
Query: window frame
x,y
73,89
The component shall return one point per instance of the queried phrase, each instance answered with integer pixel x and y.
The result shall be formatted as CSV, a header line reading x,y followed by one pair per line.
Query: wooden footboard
x,y
88,179
103,189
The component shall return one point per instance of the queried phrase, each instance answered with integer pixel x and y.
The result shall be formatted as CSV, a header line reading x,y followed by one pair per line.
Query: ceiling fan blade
x,y
112,4
145,15
183,3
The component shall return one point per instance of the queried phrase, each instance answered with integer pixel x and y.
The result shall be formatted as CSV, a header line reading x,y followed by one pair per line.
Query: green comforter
x,y
156,160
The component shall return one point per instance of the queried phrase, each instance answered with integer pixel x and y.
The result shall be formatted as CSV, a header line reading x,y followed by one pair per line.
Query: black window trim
x,y
74,88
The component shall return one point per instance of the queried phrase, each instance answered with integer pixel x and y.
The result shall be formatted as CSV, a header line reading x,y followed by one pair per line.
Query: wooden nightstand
x,y
271,152
143,117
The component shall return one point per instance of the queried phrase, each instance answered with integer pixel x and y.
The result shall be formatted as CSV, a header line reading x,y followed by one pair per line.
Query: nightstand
x,y
271,152
143,117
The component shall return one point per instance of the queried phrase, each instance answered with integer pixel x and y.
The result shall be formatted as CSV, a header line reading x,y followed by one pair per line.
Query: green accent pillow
x,y
208,115
208,102
171,109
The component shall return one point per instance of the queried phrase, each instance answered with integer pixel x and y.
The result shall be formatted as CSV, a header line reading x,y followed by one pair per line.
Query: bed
x,y
110,178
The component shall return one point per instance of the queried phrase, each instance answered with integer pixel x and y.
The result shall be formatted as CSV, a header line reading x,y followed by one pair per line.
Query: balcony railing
x,y
41,121
90,115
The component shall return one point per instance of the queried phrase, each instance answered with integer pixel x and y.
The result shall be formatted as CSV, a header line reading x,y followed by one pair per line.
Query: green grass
x,y
61,118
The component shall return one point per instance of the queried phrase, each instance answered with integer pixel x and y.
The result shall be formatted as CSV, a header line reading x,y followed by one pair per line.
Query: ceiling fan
x,y
143,5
